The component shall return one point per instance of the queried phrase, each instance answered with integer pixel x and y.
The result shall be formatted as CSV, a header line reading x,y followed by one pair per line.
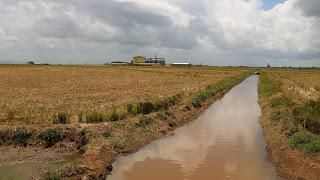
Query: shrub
x,y
106,134
51,137
144,121
61,118
282,101
20,136
94,117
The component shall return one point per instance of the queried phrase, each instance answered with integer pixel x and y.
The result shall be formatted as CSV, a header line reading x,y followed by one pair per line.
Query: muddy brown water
x,y
225,142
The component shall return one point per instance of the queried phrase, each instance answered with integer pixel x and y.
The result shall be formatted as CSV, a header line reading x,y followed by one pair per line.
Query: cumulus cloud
x,y
216,32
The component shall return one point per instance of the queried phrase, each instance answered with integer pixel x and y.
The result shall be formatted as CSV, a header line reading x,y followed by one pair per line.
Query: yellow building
x,y
138,59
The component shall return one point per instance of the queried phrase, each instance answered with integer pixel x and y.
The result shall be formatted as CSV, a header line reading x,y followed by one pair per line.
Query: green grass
x,y
306,141
268,87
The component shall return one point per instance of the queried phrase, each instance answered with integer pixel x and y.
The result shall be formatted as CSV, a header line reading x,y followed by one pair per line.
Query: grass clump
x,y
51,137
116,114
94,117
144,121
61,118
306,141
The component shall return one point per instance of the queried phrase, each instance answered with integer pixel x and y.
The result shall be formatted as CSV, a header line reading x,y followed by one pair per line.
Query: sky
x,y
269,4
212,32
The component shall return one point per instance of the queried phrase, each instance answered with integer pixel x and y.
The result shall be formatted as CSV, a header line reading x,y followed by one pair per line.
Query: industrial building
x,y
142,60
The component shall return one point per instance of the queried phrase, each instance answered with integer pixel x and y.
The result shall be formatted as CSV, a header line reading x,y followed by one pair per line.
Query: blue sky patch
x,y
269,4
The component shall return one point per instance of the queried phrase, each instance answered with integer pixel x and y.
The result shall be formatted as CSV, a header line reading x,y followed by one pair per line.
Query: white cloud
x,y
218,32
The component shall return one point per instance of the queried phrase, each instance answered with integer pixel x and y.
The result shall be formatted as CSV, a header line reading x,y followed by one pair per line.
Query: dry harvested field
x,y
95,113
33,94
290,99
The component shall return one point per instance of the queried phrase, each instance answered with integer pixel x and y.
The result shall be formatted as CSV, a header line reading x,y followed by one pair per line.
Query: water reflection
x,y
225,142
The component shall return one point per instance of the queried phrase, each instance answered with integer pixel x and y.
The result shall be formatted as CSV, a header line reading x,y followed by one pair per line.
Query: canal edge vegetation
x,y
291,129
144,126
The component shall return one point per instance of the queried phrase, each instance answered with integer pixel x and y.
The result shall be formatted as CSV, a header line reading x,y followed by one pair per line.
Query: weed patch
x,y
144,121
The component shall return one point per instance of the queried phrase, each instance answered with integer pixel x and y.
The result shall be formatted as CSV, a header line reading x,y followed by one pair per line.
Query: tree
x,y
30,62
268,65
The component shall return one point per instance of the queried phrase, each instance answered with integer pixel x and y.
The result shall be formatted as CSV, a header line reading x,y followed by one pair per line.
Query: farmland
x,y
290,100
97,112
